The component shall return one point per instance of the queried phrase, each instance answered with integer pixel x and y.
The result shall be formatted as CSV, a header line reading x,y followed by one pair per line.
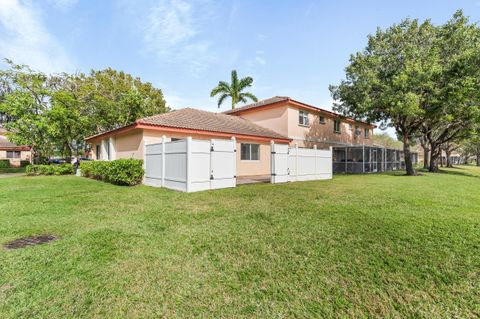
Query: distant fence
x,y
290,164
191,165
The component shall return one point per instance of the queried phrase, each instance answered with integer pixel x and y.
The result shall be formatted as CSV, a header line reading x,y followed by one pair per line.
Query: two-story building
x,y
306,125
279,119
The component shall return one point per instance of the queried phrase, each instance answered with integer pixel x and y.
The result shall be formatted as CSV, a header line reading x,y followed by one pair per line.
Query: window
x,y
250,152
303,118
97,152
13,154
357,130
336,126
350,126
321,119
367,133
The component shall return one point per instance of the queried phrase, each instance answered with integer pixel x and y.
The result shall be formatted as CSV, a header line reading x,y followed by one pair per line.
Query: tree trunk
x,y
478,159
426,150
447,154
433,167
426,154
408,158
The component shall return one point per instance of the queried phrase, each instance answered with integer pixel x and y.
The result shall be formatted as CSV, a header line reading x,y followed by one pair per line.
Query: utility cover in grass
x,y
29,241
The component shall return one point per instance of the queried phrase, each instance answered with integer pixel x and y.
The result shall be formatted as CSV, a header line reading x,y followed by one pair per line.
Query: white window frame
x,y
320,117
249,157
303,118
366,132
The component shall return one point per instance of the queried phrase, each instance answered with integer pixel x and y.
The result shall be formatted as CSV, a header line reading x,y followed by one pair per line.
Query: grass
x,y
4,170
380,245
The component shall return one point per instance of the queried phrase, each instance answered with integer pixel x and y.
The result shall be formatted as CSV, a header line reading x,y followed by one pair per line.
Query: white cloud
x,y
63,4
172,30
259,59
25,39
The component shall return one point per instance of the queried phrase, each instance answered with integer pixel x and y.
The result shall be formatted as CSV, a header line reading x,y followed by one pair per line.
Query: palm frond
x,y
222,87
222,98
248,95
244,83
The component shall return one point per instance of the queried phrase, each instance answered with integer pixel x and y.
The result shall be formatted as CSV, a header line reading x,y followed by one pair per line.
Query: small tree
x,y
234,90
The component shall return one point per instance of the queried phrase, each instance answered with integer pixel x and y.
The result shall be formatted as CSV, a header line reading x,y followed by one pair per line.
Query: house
x,y
306,125
253,141
12,152
278,119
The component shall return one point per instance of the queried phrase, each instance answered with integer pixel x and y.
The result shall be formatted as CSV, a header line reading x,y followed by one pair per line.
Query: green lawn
x,y
380,245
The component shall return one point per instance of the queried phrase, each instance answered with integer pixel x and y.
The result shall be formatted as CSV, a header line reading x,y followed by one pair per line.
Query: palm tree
x,y
234,90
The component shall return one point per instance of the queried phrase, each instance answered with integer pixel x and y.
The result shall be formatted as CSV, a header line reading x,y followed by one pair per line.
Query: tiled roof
x,y
271,100
6,144
194,119
277,99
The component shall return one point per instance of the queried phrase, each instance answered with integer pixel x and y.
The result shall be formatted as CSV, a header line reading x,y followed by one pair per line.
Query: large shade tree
x,y
234,90
418,78
386,81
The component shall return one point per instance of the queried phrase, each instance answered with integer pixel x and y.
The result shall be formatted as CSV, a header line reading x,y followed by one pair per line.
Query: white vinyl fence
x,y
191,165
290,164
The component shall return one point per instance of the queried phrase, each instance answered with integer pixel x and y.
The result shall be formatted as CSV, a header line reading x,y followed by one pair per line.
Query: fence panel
x,y
223,163
191,165
279,163
300,164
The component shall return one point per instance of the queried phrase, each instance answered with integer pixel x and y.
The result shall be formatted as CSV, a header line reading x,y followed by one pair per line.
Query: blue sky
x,y
293,48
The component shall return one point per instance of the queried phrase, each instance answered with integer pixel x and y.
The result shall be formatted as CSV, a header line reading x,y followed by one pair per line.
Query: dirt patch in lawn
x,y
29,241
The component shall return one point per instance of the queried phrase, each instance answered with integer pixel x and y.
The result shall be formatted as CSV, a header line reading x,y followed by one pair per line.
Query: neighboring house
x,y
305,124
253,141
14,153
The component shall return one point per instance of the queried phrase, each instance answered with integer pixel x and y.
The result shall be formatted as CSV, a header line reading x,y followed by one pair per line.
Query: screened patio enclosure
x,y
368,159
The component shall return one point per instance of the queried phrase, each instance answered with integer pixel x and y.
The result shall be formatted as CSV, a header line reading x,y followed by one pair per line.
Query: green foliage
x,y
118,172
234,90
4,163
55,113
415,76
24,163
62,169
385,140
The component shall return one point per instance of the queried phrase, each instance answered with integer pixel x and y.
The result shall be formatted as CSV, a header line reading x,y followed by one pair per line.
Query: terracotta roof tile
x,y
189,118
271,100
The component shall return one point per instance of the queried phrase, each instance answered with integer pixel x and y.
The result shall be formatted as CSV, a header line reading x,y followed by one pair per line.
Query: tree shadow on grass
x,y
458,171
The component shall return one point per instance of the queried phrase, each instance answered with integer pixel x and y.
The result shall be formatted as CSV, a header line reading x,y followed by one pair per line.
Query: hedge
x,y
24,163
63,169
118,172
4,163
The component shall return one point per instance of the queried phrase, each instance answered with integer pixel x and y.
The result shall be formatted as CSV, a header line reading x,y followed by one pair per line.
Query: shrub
x,y
4,163
118,172
63,169
24,163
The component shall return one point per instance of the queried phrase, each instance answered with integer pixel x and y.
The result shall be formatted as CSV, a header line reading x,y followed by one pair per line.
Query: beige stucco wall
x,y
130,145
260,167
283,119
275,118
323,135
24,156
